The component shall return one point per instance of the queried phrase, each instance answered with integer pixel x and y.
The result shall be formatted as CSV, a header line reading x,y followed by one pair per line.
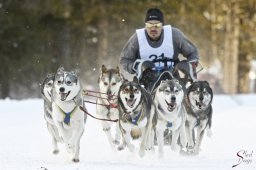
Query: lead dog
x,y
199,114
107,107
136,115
46,92
168,99
67,116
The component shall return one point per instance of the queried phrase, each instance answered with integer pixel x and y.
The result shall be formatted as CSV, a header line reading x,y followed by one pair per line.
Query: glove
x,y
140,66
136,65
194,64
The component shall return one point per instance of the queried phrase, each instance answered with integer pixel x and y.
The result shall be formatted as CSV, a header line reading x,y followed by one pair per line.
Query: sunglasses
x,y
150,25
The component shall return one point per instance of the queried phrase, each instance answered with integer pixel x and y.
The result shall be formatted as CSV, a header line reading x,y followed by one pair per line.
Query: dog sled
x,y
149,71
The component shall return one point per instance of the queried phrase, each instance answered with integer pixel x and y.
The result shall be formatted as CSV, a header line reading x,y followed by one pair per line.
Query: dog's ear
x,y
206,82
135,80
117,70
60,69
162,81
74,72
103,69
49,75
208,86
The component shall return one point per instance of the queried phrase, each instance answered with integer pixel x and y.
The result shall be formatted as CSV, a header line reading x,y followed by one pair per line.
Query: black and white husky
x,y
168,99
199,114
46,92
66,114
110,81
136,116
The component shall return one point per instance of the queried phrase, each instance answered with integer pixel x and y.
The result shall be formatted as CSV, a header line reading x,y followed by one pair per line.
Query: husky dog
x,y
107,108
168,99
199,114
46,92
66,114
136,115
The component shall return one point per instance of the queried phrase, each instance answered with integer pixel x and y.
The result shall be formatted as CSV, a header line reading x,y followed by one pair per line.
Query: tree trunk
x,y
5,82
244,69
214,49
65,36
183,13
230,78
103,38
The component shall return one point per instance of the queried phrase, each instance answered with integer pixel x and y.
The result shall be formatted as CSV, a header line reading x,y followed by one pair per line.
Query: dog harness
x,y
112,105
67,116
135,120
169,124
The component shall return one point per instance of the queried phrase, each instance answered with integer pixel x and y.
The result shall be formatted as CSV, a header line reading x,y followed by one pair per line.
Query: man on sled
x,y
154,49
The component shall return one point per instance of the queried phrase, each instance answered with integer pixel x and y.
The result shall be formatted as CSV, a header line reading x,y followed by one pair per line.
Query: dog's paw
x,y
174,148
116,142
76,160
160,155
106,129
209,133
151,151
131,148
183,152
142,153
69,148
192,151
121,147
55,152
190,148
150,148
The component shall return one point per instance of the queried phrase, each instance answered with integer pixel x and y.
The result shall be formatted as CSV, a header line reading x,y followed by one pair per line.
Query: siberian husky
x,y
46,92
137,116
168,99
199,114
110,81
66,114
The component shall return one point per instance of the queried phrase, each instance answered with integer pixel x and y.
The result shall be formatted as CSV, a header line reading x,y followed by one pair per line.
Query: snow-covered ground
x,y
25,143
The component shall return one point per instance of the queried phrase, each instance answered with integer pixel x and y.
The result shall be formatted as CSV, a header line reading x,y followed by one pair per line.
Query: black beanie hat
x,y
154,14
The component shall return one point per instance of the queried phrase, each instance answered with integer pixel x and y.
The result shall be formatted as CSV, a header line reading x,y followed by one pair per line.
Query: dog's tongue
x,y
171,107
63,96
199,104
130,102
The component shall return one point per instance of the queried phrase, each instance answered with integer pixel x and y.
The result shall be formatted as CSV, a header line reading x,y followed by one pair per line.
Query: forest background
x,y
37,36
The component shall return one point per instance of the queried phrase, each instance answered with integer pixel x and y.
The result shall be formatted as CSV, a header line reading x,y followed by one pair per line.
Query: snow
x,y
26,144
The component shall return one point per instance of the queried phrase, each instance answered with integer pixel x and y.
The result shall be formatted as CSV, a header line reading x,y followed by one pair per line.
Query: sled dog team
x,y
172,114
